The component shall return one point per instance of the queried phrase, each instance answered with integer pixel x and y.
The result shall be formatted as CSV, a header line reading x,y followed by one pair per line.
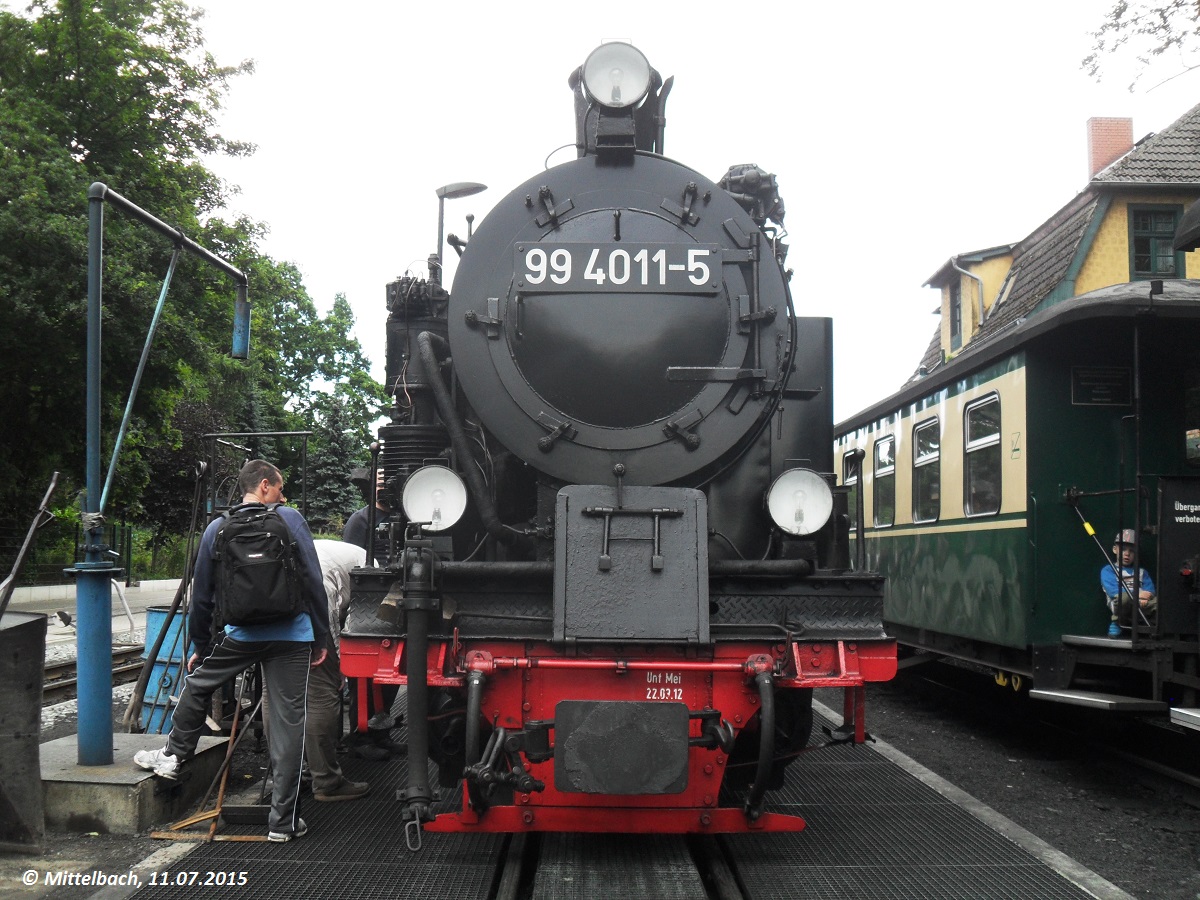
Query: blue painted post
x,y
94,575
241,325
93,593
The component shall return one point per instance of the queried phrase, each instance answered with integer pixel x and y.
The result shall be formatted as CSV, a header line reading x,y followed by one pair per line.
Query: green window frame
x,y
982,485
1151,233
927,471
1191,418
850,468
883,499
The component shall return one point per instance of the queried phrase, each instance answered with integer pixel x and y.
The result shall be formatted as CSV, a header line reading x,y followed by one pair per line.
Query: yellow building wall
x,y
993,272
1107,262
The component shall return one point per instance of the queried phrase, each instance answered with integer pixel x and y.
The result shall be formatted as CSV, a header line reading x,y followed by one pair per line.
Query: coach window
x,y
884,490
982,468
927,471
850,481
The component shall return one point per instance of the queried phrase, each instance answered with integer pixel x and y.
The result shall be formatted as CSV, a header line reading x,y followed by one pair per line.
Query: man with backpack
x,y
257,597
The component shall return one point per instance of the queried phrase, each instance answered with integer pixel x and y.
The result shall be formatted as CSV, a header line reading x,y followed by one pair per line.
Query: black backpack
x,y
257,570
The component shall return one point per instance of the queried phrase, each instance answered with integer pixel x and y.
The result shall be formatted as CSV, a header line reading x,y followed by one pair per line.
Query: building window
x,y
850,466
927,471
884,491
982,470
1151,231
955,315
1191,419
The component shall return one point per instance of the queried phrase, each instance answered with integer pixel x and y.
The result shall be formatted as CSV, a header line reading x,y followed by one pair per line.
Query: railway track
x,y
562,866
61,681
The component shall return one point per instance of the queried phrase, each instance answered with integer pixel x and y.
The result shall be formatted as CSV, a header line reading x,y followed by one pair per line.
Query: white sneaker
x,y
282,837
160,762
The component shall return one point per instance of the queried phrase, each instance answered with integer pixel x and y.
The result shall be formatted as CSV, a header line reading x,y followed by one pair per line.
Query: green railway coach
x,y
976,490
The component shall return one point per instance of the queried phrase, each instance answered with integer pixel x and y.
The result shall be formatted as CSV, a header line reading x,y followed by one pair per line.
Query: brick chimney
x,y
1108,141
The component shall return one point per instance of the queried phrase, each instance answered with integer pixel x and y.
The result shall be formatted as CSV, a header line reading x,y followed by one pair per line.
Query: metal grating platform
x,y
874,831
352,849
908,840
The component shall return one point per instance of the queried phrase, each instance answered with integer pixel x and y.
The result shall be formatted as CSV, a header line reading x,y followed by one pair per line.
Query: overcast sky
x,y
901,133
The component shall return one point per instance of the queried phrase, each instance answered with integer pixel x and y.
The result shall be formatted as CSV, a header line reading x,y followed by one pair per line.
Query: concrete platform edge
x,y
121,798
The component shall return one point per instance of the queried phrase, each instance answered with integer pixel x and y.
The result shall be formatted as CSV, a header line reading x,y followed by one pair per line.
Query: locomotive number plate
x,y
618,268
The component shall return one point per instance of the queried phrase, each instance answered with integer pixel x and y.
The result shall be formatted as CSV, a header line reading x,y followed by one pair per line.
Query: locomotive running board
x,y
629,820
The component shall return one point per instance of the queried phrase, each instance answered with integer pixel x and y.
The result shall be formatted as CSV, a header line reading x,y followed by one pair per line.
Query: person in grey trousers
x,y
287,650
323,728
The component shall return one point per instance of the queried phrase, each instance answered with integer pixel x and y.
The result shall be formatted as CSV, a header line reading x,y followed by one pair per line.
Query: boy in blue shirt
x,y
1133,581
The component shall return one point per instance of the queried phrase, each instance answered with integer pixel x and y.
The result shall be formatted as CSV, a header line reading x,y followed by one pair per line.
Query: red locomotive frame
x,y
525,682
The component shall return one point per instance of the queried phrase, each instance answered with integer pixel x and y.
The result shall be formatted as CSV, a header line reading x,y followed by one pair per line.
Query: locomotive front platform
x,y
878,826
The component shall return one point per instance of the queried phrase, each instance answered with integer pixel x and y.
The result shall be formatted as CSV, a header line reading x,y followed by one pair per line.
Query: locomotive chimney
x,y
1108,140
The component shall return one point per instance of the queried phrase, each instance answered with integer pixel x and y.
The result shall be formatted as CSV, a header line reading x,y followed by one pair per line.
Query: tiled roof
x,y
1041,263
933,353
1172,156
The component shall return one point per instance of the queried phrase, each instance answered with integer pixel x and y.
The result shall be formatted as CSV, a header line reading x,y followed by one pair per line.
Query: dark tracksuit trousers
x,y
285,679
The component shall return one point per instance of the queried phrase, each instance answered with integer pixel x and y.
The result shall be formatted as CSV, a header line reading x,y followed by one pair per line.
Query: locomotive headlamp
x,y
616,75
436,496
800,501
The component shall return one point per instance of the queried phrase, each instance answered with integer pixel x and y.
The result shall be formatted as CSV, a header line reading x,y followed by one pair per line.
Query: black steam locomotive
x,y
616,561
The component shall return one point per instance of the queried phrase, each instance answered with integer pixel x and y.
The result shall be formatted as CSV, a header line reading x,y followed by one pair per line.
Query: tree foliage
x,y
335,450
124,92
1151,32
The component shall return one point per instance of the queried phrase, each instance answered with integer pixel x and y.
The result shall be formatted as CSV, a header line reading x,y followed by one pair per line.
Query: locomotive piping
x,y
426,341
761,568
417,796
766,744
717,568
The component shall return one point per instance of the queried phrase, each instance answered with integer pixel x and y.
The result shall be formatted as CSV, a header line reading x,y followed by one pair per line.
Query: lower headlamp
x,y
800,501
435,497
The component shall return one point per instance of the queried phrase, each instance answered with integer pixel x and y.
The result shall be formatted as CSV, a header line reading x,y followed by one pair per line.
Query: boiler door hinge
x,y
683,213
553,210
491,321
746,318
557,429
679,429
